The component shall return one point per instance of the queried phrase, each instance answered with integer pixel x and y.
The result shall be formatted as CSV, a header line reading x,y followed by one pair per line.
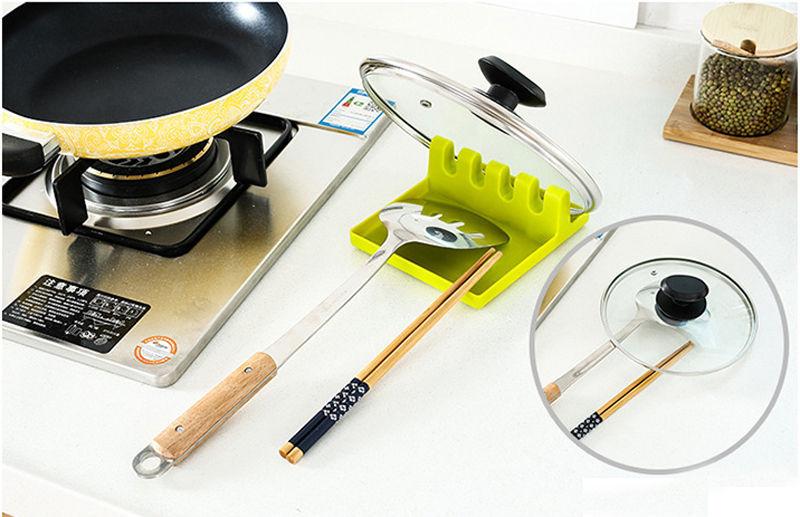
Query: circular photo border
x,y
784,328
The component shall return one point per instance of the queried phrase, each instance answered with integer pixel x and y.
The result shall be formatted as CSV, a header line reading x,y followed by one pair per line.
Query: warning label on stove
x,y
155,350
75,313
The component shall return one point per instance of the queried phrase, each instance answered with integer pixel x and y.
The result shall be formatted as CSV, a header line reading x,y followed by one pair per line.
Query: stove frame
x,y
192,295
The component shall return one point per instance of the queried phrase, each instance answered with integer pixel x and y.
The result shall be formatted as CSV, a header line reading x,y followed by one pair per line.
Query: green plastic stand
x,y
536,221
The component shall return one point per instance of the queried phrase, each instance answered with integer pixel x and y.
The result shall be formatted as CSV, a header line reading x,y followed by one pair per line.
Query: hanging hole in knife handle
x,y
509,86
27,154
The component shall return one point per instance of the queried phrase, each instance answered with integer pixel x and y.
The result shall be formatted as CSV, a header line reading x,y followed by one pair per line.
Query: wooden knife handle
x,y
207,414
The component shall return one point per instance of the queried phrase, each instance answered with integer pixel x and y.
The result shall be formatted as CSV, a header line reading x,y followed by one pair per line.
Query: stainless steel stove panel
x,y
191,296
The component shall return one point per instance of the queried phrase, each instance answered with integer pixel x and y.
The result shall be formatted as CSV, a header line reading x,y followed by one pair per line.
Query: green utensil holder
x,y
536,221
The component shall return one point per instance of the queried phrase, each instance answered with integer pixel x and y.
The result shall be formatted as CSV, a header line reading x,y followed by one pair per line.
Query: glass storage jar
x,y
743,95
747,69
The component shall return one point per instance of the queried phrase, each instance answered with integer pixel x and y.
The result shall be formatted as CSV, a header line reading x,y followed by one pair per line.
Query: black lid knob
x,y
509,86
681,298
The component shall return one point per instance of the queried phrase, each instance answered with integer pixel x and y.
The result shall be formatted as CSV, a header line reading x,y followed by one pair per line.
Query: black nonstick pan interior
x,y
104,63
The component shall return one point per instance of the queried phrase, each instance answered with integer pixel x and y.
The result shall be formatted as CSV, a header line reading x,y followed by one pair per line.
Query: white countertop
x,y
457,427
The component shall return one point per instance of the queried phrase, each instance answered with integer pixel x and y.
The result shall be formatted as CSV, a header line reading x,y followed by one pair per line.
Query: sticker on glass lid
x,y
354,113
654,306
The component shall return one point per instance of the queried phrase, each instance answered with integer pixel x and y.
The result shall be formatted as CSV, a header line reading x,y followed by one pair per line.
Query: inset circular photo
x,y
659,344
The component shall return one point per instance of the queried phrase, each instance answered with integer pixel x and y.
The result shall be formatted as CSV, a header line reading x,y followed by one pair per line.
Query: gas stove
x,y
132,265
181,193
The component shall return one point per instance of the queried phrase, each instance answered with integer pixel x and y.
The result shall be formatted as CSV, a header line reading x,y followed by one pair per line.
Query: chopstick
x,y
628,393
334,410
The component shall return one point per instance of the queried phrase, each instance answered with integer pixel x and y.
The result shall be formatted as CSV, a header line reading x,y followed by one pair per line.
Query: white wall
x,y
675,15
620,13
680,16
686,15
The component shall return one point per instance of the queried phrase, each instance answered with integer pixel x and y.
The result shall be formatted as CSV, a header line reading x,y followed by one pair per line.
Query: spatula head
x,y
442,225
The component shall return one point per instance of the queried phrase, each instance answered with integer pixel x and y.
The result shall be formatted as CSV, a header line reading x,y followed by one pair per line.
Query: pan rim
x,y
284,49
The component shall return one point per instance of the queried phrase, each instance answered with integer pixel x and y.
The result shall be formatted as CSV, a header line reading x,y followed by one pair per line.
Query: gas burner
x,y
148,167
105,178
151,192
131,166
162,204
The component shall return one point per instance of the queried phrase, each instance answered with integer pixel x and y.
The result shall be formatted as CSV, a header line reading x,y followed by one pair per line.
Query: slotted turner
x,y
410,221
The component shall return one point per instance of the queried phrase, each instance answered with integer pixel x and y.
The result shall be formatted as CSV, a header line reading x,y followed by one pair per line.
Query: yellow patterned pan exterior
x,y
167,133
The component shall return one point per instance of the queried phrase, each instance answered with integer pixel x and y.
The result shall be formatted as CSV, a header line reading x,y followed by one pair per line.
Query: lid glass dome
x,y
655,306
426,104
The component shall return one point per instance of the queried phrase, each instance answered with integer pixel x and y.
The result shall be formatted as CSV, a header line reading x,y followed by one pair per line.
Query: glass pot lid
x,y
653,307
426,104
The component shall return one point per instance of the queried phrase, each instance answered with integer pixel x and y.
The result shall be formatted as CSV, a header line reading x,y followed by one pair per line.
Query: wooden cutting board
x,y
779,146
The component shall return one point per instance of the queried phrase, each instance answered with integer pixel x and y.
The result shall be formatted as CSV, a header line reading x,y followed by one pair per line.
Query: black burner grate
x,y
248,159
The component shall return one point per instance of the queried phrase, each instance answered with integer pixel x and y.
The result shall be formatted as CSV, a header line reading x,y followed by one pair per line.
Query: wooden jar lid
x,y
742,28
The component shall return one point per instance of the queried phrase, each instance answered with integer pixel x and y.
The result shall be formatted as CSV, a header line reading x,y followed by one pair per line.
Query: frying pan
x,y
120,80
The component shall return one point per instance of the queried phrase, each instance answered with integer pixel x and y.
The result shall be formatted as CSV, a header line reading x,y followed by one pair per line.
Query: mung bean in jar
x,y
744,89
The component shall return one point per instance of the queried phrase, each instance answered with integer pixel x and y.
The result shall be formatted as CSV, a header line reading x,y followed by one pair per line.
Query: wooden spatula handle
x,y
551,392
207,414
